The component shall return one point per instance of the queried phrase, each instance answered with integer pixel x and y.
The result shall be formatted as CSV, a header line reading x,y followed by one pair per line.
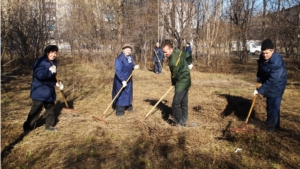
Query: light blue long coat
x,y
124,66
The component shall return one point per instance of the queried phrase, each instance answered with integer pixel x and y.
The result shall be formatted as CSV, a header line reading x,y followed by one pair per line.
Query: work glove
x,y
255,92
52,69
257,79
124,83
59,85
136,67
190,66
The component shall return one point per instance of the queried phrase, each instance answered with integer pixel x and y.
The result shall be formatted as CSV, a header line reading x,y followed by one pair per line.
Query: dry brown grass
x,y
216,103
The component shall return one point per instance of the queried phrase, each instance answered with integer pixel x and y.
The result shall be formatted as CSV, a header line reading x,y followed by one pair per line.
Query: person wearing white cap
x,y
124,65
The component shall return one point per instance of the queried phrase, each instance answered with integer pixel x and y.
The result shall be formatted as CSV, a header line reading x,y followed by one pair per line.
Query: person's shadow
x,y
166,111
238,106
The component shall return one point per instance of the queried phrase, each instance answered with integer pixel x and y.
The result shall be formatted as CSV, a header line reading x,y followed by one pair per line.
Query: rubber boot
x,y
120,110
130,108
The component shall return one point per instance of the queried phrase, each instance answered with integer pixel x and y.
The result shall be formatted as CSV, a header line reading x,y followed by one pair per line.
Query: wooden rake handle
x,y
254,98
117,95
157,103
62,93
252,105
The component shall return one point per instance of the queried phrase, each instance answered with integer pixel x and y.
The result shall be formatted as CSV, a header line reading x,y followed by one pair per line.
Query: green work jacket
x,y
180,72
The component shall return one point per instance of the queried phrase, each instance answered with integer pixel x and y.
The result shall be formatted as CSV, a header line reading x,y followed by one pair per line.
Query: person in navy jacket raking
x,y
42,90
272,74
124,65
158,56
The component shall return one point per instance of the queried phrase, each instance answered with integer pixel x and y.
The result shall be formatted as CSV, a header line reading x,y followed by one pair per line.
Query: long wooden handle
x,y
62,93
254,98
66,103
253,101
157,103
117,94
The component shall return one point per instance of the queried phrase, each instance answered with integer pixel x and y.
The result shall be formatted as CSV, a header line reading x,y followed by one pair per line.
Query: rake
x,y
66,103
245,129
101,118
142,120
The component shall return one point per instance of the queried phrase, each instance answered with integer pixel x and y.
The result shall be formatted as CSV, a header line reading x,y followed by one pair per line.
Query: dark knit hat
x,y
267,44
50,48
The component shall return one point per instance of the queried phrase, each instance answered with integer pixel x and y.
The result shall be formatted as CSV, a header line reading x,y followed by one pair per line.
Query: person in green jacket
x,y
180,63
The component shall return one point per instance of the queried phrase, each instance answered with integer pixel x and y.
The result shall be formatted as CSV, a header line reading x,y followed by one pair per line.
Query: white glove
x,y
124,83
52,69
257,79
190,66
136,67
255,92
59,85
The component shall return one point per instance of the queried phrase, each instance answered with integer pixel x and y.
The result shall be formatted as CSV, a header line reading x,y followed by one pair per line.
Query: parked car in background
x,y
254,47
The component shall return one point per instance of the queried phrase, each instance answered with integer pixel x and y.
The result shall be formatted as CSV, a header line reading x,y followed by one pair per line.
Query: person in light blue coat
x,y
124,65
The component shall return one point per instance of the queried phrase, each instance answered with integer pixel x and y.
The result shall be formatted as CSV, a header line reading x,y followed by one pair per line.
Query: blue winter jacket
x,y
43,82
272,74
160,55
124,66
189,49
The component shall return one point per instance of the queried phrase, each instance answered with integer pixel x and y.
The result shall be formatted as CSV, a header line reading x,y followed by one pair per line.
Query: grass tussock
x,y
217,102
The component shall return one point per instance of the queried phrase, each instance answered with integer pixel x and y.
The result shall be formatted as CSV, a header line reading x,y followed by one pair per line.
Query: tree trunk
x,y
277,21
120,24
263,27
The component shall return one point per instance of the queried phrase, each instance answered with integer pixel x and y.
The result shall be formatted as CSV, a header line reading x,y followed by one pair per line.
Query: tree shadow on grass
x,y
147,150
39,123
166,111
7,150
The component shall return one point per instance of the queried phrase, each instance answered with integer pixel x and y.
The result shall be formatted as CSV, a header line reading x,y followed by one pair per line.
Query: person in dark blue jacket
x,y
188,48
158,56
124,65
272,74
42,90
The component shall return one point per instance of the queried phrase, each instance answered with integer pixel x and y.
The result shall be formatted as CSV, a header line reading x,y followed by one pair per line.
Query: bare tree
x,y
179,20
26,29
240,13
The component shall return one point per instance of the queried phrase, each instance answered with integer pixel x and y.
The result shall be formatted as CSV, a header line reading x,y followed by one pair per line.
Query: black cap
x,y
188,43
267,44
50,48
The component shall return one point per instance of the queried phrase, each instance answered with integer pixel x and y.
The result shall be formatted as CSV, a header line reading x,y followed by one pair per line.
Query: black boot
x,y
26,127
130,108
120,110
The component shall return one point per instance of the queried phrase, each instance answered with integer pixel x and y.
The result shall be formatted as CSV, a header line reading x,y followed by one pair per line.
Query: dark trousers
x,y
157,67
180,107
34,114
273,112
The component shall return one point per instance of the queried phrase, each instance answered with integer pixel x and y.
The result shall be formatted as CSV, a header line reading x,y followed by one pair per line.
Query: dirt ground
x,y
217,103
